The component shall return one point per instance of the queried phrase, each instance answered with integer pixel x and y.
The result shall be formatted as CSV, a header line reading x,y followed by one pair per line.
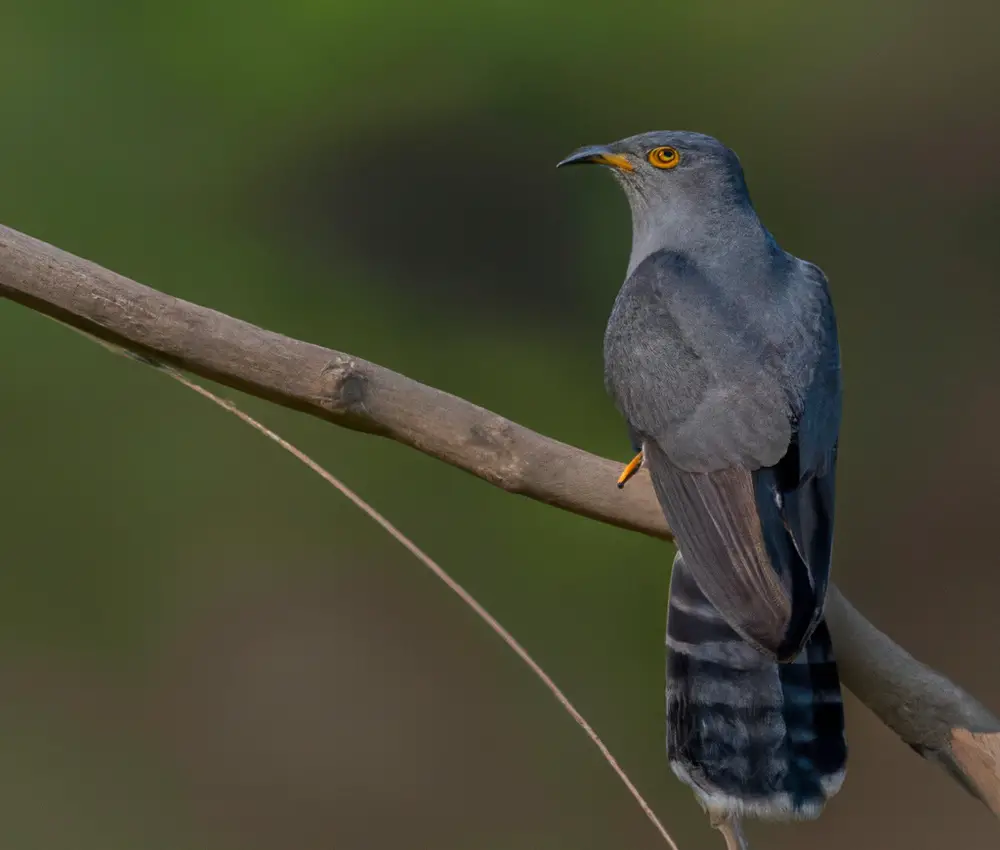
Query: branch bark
x,y
927,711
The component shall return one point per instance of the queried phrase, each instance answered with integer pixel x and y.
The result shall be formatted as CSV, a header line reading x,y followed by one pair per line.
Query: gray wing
x,y
739,425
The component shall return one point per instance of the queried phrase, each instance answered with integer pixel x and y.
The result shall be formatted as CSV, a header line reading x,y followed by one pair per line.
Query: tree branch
x,y
930,713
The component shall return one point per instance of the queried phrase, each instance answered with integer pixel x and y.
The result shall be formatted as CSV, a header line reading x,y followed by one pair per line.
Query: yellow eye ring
x,y
665,157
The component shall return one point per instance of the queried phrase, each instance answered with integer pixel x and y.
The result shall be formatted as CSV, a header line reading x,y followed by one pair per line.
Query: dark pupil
x,y
666,155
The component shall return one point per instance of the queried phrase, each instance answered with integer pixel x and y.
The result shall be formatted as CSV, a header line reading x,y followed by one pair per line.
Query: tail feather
x,y
749,735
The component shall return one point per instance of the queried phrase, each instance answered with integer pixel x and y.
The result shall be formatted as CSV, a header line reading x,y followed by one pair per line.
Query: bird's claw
x,y
633,467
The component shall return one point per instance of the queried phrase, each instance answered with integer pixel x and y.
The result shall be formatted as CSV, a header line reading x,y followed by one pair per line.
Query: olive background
x,y
204,647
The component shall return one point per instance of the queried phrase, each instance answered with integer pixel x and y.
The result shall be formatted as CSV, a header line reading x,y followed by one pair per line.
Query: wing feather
x,y
714,518
739,414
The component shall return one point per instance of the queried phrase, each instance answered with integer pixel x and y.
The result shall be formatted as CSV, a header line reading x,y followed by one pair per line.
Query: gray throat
x,y
717,236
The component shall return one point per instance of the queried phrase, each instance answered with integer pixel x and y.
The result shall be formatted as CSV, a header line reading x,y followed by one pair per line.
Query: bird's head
x,y
678,184
667,163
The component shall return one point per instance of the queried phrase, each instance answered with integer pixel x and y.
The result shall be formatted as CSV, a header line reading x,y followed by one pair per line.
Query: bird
x,y
721,354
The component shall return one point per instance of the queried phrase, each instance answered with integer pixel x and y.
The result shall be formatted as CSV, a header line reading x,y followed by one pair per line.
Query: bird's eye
x,y
665,157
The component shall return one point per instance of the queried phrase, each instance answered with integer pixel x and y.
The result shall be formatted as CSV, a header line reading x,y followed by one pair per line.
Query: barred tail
x,y
749,735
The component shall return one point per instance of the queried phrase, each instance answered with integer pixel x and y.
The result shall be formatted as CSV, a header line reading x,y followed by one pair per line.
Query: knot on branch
x,y
349,386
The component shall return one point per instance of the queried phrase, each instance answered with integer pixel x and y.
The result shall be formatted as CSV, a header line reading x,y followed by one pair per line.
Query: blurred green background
x,y
203,646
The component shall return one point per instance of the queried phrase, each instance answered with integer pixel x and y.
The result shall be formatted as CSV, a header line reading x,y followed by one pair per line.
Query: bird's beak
x,y
599,155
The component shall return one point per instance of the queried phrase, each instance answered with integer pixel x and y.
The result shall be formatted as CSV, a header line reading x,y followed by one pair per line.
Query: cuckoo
x,y
721,354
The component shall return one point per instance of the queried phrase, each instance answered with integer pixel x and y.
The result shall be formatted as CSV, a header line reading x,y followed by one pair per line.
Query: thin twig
x,y
453,585
732,831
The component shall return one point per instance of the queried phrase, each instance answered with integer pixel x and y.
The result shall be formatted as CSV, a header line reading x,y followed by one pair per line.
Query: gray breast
x,y
708,365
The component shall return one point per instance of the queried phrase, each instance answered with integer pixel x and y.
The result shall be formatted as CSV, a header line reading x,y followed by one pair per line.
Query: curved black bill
x,y
598,155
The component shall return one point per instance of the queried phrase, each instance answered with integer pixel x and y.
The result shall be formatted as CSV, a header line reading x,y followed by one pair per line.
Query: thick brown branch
x,y
925,709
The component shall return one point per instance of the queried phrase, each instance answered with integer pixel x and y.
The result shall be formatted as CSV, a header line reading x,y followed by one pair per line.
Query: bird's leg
x,y
630,470
729,826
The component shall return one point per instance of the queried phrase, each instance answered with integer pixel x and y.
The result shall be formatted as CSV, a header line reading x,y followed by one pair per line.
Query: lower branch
x,y
927,711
